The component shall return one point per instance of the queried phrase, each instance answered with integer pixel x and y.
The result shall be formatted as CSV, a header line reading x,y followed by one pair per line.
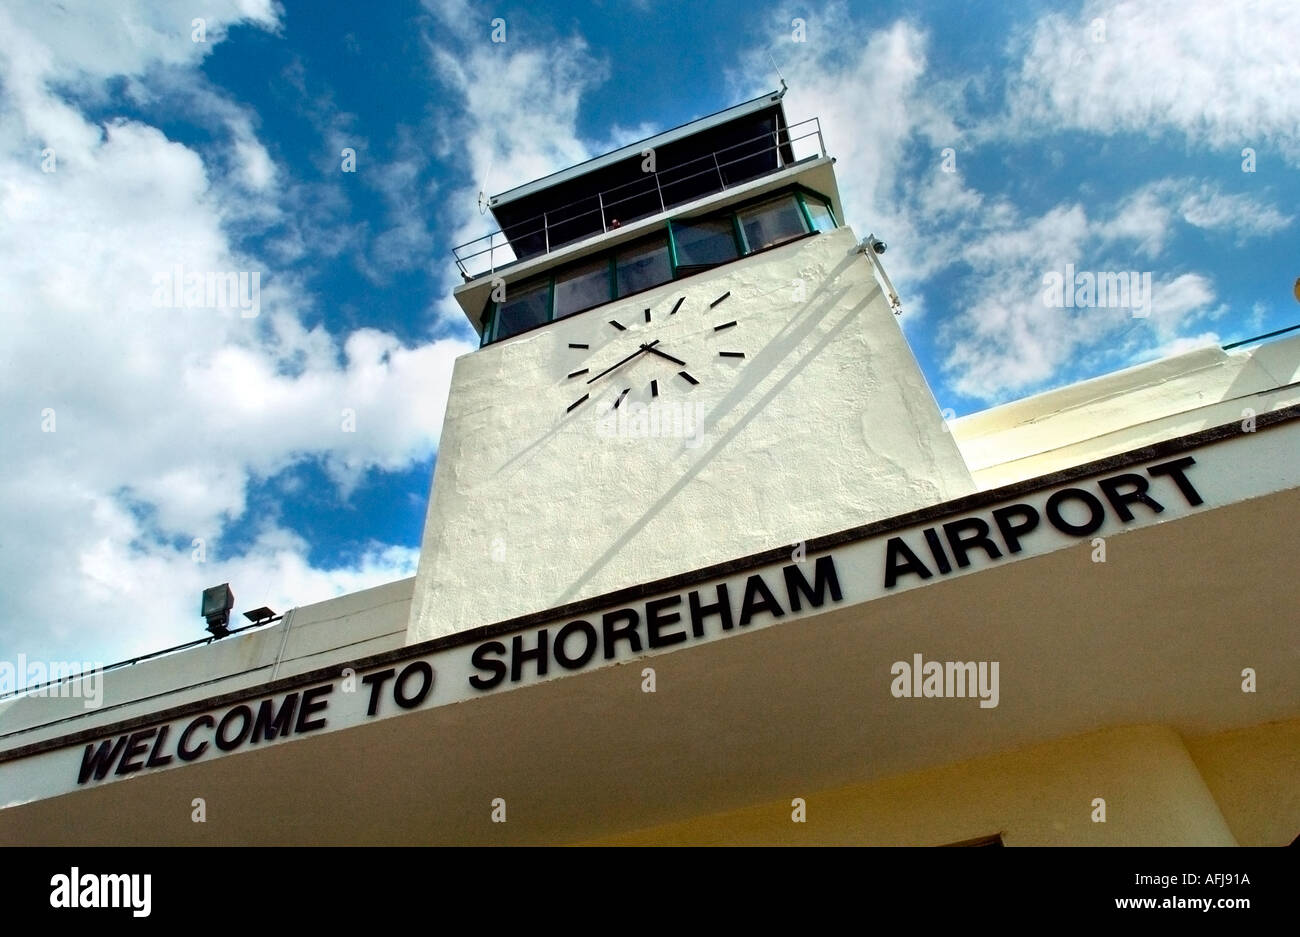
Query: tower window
x,y
705,242
643,266
689,246
581,288
525,308
771,223
820,214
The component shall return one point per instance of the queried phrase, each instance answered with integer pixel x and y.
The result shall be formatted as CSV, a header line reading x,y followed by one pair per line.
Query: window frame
x,y
677,271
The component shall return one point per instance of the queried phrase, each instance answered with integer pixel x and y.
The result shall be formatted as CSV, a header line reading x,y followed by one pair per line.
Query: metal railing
x,y
574,222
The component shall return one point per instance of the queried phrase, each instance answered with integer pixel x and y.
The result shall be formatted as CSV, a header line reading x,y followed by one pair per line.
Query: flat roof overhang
x,y
1157,634
765,102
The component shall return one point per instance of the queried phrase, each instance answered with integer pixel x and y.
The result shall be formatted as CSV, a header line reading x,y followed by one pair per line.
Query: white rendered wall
x,y
826,423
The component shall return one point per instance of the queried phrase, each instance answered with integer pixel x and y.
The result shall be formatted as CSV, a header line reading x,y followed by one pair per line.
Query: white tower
x,y
687,359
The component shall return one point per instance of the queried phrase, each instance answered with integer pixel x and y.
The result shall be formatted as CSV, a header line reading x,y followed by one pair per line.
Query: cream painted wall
x,y
1254,774
825,424
1127,410
1040,796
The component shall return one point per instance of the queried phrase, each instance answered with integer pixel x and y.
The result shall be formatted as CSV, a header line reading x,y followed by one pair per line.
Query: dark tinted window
x,y
704,243
643,266
772,222
581,288
524,308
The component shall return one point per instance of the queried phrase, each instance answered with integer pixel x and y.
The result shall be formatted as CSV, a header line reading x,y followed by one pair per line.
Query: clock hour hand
x,y
655,351
642,350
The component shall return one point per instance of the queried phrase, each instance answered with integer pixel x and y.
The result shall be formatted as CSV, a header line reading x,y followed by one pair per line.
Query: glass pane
x,y
771,223
821,214
581,288
703,243
643,267
524,308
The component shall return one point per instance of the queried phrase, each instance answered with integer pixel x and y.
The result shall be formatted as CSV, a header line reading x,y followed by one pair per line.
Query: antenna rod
x,y
778,70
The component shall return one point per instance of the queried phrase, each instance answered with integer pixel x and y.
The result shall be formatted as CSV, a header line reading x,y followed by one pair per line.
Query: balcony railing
x,y
640,198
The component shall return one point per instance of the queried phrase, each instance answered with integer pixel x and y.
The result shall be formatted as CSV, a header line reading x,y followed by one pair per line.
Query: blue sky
x,y
151,451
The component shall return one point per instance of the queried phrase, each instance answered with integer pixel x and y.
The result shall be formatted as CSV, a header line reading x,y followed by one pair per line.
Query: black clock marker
x,y
688,377
576,373
647,314
731,354
576,345
720,299
621,396
725,325
654,388
618,325
576,402
677,306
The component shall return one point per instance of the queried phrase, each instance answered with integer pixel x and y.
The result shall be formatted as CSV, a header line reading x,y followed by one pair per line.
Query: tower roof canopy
x,y
696,159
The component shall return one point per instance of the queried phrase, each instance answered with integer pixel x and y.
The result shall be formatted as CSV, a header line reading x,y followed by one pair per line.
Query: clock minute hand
x,y
640,351
655,351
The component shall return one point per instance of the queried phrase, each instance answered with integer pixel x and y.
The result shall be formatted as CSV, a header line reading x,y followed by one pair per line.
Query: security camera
x,y
876,245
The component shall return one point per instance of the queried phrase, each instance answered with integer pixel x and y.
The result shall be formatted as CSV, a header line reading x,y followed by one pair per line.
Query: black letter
x,y
99,760
157,760
310,704
135,747
518,655
1079,530
226,744
410,702
628,632
1174,470
823,578
282,724
376,681
1121,500
936,550
190,754
655,619
980,530
893,569
721,608
1011,533
495,667
748,606
588,632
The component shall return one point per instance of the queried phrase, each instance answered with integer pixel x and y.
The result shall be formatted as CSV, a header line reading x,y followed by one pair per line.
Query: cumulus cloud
x,y
1219,74
889,119
133,429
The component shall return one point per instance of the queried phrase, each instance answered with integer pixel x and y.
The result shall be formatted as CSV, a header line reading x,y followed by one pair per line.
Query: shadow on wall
x,y
781,347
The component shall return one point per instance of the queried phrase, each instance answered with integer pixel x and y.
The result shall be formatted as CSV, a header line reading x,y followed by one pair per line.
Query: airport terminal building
x,y
703,563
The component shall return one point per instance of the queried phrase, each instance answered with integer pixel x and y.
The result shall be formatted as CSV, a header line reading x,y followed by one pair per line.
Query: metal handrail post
x,y
546,232
662,207
600,197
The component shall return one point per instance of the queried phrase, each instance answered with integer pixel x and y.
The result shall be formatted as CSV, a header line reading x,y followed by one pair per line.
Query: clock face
x,y
648,352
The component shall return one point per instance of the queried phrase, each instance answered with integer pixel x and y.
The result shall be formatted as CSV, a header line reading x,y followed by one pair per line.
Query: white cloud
x,y
162,417
1238,214
888,119
1220,74
511,116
